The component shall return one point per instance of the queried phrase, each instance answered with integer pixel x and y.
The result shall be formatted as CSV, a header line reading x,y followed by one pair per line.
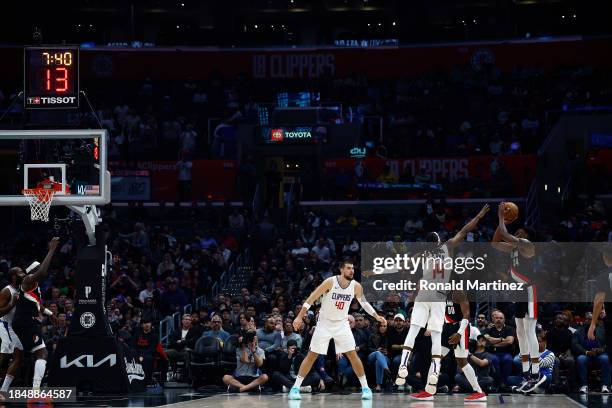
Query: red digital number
x,y
63,78
48,79
339,305
60,77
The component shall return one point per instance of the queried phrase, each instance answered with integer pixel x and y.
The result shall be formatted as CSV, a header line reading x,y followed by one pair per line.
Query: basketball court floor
x,y
185,398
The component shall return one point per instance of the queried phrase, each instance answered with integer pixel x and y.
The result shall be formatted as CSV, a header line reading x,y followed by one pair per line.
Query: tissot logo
x,y
51,100
87,361
277,135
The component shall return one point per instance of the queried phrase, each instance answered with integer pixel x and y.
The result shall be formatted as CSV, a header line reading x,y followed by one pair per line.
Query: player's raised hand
x,y
53,243
380,319
591,333
297,324
485,209
500,210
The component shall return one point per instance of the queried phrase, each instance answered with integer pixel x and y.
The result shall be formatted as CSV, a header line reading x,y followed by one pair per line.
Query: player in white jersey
x,y
429,306
338,293
10,342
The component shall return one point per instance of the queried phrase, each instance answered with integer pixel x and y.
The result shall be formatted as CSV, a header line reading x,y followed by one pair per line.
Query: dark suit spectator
x,y
500,339
183,340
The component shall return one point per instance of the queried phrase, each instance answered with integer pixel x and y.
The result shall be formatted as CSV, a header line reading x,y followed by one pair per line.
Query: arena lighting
x,y
545,187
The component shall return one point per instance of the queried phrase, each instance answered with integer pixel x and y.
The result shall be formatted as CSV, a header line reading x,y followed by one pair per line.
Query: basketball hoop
x,y
39,200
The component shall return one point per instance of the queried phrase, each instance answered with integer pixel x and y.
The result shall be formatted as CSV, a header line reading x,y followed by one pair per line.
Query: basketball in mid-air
x,y
511,212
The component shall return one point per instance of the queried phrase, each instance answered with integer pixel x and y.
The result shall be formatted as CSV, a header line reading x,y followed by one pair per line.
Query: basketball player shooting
x,y
27,322
338,293
521,251
429,306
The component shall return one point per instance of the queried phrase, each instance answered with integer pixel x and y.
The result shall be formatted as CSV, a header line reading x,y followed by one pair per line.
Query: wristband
x,y
306,305
47,312
462,326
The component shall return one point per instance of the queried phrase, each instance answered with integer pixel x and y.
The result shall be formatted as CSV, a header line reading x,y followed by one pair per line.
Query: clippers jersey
x,y
28,306
435,272
336,303
11,314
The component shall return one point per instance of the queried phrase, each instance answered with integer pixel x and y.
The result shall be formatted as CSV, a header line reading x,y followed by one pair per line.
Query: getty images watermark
x,y
560,272
436,270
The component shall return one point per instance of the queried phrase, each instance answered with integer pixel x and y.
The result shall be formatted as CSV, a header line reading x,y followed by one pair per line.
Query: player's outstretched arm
x,y
598,303
365,304
460,236
5,301
316,294
41,271
525,246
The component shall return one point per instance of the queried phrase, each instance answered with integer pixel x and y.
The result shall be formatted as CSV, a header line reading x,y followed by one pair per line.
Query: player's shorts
x,y
461,348
428,314
30,336
528,308
9,339
339,330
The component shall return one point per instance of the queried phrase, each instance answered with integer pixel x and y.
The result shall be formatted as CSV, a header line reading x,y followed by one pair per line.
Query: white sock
x,y
39,372
525,365
298,381
8,379
535,368
468,370
363,381
405,357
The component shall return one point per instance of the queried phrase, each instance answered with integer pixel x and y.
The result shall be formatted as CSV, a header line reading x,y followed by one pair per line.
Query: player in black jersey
x,y
27,322
521,251
456,337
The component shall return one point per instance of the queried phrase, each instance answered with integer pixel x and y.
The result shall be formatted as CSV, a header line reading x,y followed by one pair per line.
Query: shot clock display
x,y
51,77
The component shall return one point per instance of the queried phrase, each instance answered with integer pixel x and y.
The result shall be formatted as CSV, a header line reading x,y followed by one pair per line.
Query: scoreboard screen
x,y
51,77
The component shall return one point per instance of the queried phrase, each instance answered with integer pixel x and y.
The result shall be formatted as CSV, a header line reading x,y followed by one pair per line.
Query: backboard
x,y
74,158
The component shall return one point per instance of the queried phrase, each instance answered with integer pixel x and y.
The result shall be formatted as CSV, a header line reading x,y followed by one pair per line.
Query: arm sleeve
x,y
366,305
548,361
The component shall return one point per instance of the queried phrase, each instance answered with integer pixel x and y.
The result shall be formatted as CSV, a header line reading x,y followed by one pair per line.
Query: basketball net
x,y
40,202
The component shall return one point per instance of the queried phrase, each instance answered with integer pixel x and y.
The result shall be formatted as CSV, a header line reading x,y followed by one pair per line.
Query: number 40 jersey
x,y
336,303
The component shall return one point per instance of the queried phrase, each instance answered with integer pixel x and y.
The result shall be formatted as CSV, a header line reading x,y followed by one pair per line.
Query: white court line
x,y
574,401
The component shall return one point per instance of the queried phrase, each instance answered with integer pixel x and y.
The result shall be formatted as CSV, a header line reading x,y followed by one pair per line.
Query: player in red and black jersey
x,y
29,308
456,337
521,269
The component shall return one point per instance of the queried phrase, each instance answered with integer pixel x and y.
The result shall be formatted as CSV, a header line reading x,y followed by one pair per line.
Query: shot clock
x,y
51,77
